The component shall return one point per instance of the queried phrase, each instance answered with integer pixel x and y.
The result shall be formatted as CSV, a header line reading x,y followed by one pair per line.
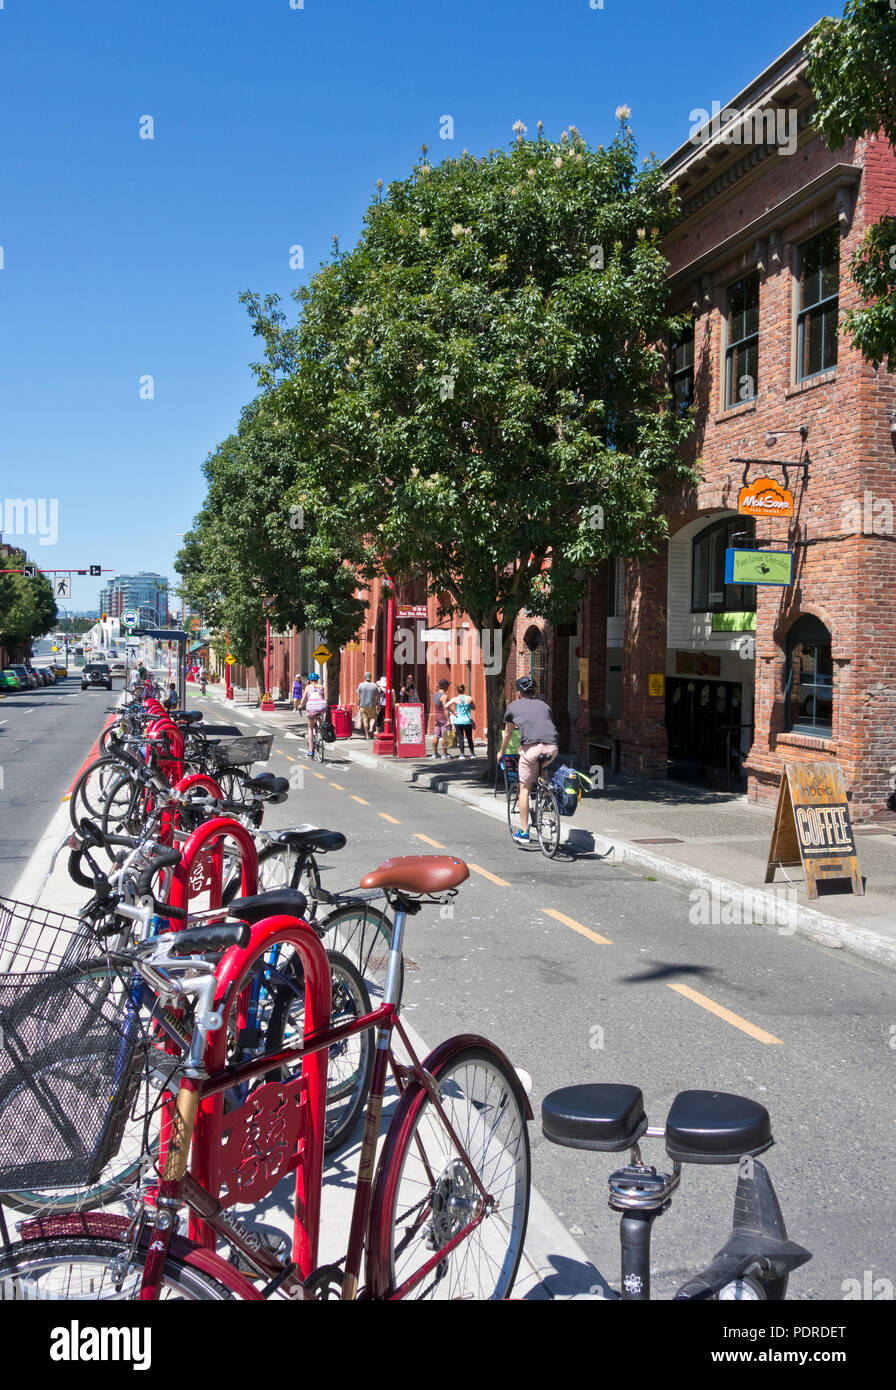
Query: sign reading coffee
x,y
765,497
813,828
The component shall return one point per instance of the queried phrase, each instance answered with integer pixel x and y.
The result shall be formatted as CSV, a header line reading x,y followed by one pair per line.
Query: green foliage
x,y
480,375
852,69
27,606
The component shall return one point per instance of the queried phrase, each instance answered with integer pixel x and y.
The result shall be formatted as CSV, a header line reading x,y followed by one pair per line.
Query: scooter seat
x,y
594,1116
716,1127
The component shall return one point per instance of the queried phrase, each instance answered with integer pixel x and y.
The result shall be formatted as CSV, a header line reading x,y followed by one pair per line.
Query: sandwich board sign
x,y
813,828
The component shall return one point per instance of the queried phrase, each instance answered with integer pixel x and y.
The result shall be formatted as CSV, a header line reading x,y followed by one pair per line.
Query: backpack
x,y
567,784
328,730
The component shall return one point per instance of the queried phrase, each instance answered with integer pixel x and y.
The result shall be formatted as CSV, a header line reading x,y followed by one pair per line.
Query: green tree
x,y
476,389
852,69
251,553
27,606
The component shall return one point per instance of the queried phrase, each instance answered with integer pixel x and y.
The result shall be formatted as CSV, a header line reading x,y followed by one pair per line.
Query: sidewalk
x,y
717,843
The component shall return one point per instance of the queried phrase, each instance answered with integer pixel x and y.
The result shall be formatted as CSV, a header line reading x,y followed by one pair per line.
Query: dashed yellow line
x,y
337,786
389,818
577,926
721,1012
427,841
504,883
321,776
361,799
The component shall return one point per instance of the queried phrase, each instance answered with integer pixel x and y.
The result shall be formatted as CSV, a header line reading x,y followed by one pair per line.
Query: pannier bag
x,y
328,729
568,785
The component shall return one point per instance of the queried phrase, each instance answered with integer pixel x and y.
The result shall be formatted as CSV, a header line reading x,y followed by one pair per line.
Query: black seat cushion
x,y
266,782
594,1116
288,902
309,837
716,1127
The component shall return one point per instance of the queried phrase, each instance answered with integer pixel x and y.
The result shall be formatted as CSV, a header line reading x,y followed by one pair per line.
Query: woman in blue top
x,y
462,707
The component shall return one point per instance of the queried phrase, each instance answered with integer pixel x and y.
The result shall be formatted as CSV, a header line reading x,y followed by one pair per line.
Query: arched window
x,y
709,592
809,678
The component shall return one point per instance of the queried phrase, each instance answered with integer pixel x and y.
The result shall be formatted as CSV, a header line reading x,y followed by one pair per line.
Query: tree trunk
x,y
495,700
333,670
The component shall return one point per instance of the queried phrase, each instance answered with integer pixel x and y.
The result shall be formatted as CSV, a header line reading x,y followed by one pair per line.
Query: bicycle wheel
x,y
350,1063
91,1268
126,807
320,747
90,791
547,821
364,935
513,805
424,1194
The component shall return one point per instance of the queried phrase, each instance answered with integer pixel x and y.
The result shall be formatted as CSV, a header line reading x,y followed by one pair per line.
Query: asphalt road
x,y
581,970
45,736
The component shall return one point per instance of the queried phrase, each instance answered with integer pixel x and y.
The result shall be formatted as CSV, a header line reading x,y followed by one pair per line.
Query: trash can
x,y
342,720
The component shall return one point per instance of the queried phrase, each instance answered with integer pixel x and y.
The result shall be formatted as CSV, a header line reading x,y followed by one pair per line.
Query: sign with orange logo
x,y
765,497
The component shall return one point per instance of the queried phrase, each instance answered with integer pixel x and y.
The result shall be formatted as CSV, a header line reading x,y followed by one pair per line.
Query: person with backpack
x,y
538,738
314,703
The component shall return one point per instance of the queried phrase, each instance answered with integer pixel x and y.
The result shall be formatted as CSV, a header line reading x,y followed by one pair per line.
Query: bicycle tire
x,y
88,793
424,1194
513,805
319,745
350,1063
363,934
22,1264
547,821
125,811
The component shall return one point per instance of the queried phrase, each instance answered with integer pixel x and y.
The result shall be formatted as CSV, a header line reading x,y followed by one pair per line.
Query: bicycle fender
x,y
445,1051
103,1226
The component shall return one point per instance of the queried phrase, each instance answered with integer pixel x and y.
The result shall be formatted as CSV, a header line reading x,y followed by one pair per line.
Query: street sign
x,y
130,617
765,497
322,654
759,567
30,571
411,610
62,588
231,660
96,571
812,827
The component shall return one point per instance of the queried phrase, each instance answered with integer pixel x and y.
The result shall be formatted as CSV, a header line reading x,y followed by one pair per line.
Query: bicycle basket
x,y
71,1056
251,748
511,770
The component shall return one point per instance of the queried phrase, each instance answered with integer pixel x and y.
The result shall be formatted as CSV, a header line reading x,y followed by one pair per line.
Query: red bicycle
x,y
441,1215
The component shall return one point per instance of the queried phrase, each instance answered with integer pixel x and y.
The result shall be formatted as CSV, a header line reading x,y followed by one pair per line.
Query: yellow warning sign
x,y
322,654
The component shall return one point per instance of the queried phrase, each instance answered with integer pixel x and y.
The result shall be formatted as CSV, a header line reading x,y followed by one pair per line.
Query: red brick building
x,y
756,676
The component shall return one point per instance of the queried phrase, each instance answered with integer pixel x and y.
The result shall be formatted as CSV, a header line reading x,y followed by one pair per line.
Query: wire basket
x,y
250,748
71,1051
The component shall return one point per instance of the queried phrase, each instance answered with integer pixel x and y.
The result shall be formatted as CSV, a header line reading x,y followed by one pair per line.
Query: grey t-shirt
x,y
533,719
368,695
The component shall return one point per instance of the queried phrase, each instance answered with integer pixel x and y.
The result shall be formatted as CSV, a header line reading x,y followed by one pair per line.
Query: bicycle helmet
x,y
526,686
314,677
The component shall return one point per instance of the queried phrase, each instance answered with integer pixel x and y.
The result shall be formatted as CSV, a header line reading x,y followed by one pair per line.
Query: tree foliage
x,y
27,606
251,555
476,389
852,69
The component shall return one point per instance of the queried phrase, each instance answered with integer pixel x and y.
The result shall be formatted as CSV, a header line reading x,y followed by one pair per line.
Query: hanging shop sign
x,y
813,828
759,567
734,622
765,497
411,610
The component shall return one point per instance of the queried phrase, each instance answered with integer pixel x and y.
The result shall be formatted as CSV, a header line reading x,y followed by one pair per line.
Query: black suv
x,y
96,673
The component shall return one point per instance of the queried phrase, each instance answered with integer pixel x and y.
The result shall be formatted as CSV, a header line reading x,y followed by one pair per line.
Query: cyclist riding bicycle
x,y
314,703
538,739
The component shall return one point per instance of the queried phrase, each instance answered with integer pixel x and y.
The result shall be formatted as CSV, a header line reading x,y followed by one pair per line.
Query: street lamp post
x,y
384,743
228,688
267,703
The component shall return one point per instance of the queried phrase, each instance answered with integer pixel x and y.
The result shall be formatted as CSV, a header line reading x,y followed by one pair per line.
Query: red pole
x,y
385,742
228,688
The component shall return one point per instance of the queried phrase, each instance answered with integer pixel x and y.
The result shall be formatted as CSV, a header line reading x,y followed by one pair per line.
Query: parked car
x,y
26,679
9,681
60,672
96,673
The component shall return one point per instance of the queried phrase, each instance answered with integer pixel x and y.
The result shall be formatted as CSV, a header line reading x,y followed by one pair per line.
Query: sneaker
x,y
309,752
521,837
435,755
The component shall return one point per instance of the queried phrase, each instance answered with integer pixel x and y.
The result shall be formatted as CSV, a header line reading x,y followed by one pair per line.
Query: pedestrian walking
x,y
297,691
440,725
462,708
368,703
382,687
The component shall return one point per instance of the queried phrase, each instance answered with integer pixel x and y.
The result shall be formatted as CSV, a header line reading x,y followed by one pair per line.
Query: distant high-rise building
x,y
145,591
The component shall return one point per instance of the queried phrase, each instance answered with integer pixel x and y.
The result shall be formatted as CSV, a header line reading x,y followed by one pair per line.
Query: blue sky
x,y
123,257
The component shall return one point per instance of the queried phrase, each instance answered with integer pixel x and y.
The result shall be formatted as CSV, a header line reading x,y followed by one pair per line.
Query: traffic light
x,y
104,616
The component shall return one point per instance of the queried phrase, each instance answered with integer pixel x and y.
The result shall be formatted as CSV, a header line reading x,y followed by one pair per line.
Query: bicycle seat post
x,y
641,1194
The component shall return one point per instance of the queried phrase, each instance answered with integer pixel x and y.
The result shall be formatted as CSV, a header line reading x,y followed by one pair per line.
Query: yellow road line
x,y
321,776
427,841
577,926
734,1019
361,799
485,874
337,786
280,751
389,818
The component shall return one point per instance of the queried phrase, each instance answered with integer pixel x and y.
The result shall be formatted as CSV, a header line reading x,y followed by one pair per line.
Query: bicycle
x,y
441,1214
318,745
702,1127
544,809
